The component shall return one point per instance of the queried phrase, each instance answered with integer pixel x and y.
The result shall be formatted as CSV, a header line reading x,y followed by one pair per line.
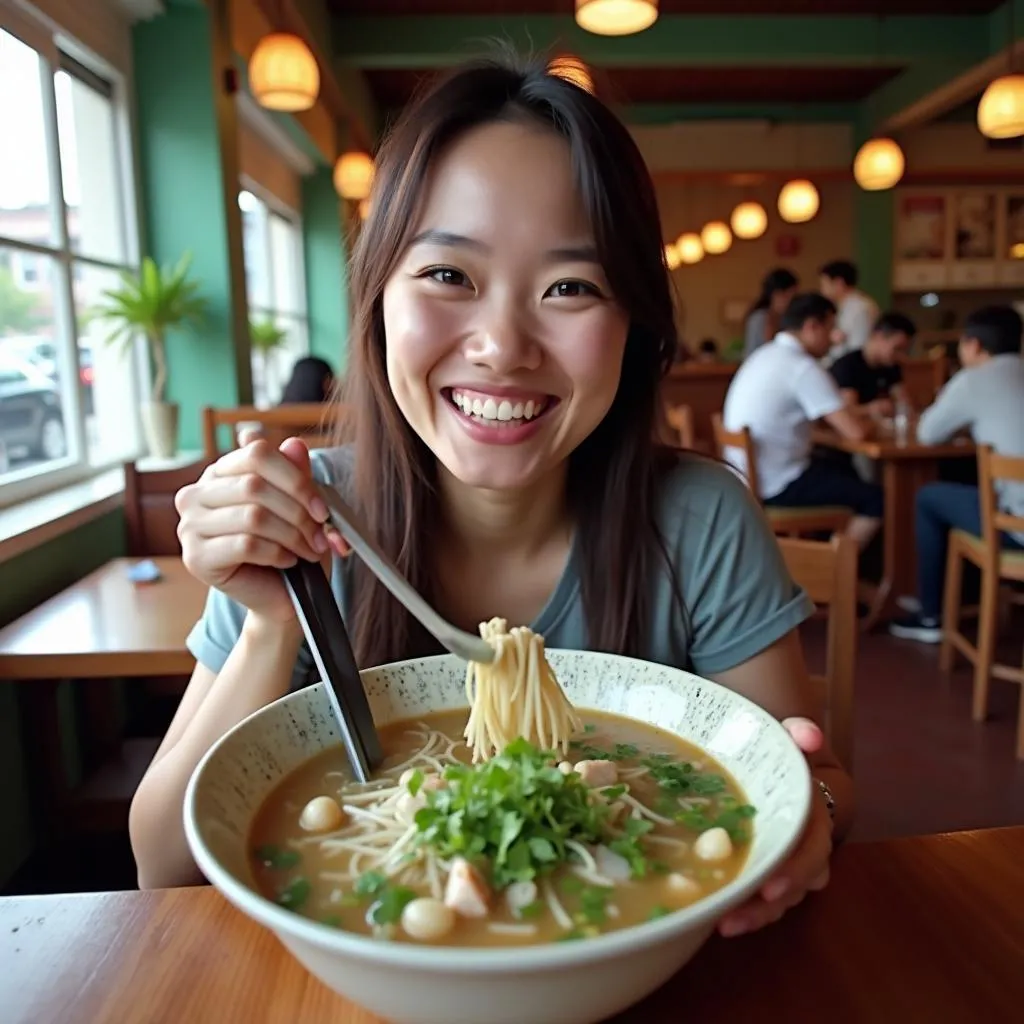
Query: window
x,y
272,239
68,400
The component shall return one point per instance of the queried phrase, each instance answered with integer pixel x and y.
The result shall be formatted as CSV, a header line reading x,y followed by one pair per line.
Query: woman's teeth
x,y
496,411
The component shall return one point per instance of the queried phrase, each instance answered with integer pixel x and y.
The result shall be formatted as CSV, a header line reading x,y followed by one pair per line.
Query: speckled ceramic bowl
x,y
560,983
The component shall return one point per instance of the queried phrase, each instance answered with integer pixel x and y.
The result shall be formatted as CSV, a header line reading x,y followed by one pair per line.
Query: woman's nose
x,y
504,342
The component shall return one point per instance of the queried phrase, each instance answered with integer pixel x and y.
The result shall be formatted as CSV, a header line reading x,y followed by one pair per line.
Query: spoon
x,y
347,522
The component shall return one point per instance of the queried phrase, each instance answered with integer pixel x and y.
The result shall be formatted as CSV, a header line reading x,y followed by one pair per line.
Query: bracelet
x,y
830,800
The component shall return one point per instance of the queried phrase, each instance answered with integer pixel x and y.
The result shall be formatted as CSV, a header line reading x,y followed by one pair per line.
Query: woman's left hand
x,y
807,868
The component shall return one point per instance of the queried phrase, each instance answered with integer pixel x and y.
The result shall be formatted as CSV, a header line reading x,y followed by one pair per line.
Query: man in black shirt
x,y
870,378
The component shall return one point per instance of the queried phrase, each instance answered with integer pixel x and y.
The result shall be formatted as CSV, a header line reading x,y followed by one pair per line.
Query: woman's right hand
x,y
252,513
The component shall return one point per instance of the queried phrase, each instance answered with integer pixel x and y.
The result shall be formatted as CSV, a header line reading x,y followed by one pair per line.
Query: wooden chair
x,y
151,520
313,421
680,419
997,565
788,522
827,571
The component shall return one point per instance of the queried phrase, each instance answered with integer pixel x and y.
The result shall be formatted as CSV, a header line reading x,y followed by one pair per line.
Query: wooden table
x,y
928,929
102,627
906,467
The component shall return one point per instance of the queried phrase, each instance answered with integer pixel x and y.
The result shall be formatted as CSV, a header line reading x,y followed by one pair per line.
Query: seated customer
x,y
777,393
870,378
986,397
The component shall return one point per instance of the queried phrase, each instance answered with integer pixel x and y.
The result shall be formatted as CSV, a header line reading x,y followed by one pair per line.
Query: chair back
x,y
741,440
312,421
993,468
151,520
680,419
827,571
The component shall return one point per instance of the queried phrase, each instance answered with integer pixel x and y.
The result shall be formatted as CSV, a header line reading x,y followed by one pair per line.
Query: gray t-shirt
x,y
987,400
735,586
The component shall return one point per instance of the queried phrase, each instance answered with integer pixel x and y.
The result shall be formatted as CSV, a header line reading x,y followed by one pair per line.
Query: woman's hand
x,y
806,870
252,513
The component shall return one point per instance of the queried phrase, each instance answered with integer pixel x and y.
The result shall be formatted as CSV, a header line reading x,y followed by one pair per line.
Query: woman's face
x,y
781,299
504,344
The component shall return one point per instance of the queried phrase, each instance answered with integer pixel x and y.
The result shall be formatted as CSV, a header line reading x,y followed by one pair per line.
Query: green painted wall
x,y
326,268
188,156
29,579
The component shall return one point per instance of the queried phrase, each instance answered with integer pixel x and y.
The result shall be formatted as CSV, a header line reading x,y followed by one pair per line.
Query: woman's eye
x,y
446,275
571,290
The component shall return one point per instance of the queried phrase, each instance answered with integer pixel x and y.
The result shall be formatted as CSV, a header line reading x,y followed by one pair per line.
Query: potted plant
x,y
153,302
265,337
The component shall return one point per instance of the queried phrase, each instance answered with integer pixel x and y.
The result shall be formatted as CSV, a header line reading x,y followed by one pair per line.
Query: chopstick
x,y
347,522
328,641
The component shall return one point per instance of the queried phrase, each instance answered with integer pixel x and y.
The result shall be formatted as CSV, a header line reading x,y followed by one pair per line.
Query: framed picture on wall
x,y
975,226
921,227
1015,227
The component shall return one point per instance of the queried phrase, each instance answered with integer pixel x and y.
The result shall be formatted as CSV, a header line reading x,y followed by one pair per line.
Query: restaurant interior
x,y
216,159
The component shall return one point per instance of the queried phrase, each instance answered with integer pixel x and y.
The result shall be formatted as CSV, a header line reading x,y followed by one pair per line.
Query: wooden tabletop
x,y
886,447
923,929
104,625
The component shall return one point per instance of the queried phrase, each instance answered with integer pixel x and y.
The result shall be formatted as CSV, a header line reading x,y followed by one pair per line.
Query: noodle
x,y
516,695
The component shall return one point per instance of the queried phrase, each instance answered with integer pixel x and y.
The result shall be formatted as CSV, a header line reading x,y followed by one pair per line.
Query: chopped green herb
x,y
369,883
628,846
275,858
516,812
590,728
594,904
571,884
734,818
387,909
572,936
415,782
531,910
333,921
295,893
657,912
624,751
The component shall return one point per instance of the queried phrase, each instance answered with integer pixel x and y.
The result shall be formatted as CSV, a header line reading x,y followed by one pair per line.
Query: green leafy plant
x,y
265,337
152,302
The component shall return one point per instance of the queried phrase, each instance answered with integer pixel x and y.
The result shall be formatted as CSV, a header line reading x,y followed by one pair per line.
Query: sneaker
x,y
918,627
909,604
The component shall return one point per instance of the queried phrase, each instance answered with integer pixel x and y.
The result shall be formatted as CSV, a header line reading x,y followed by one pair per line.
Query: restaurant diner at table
x,y
512,513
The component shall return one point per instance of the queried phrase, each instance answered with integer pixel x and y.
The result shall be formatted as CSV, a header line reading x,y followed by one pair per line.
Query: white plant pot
x,y
160,426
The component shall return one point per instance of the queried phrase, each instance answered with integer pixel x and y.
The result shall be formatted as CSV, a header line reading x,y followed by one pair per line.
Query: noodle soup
x,y
526,847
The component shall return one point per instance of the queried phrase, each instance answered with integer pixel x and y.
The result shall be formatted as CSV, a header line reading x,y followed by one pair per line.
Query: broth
x,y
647,806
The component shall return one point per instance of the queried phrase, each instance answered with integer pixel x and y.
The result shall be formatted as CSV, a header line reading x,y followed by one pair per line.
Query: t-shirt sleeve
x,y
844,373
817,392
738,593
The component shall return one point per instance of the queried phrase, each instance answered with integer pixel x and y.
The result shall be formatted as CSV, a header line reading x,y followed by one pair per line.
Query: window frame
x,y
275,207
58,52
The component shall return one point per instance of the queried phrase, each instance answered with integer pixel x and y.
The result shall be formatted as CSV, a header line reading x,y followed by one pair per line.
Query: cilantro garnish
x,y
275,858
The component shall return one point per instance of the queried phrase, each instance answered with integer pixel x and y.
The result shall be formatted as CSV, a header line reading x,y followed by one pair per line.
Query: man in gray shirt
x,y
987,398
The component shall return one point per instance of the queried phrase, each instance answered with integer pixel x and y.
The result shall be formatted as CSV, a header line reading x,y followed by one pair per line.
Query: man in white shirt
x,y
857,312
777,393
986,397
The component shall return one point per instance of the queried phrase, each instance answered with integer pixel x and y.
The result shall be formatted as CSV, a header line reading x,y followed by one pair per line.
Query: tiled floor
x,y
922,765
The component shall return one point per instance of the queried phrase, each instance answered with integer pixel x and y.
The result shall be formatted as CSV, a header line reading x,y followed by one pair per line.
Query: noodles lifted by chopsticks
x,y
516,695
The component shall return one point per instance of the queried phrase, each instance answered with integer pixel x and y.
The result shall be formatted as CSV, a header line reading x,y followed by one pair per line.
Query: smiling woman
x,y
512,321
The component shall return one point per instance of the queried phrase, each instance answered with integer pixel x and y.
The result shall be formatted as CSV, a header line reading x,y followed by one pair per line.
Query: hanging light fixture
x,y
364,209
353,175
716,237
283,74
879,165
1001,110
672,257
749,220
690,248
616,17
572,69
798,201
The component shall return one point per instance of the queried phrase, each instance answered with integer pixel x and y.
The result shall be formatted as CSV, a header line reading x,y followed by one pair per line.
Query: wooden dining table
x,y
104,627
906,466
927,929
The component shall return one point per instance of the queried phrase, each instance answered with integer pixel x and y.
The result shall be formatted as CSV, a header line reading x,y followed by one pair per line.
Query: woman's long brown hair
x,y
613,475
